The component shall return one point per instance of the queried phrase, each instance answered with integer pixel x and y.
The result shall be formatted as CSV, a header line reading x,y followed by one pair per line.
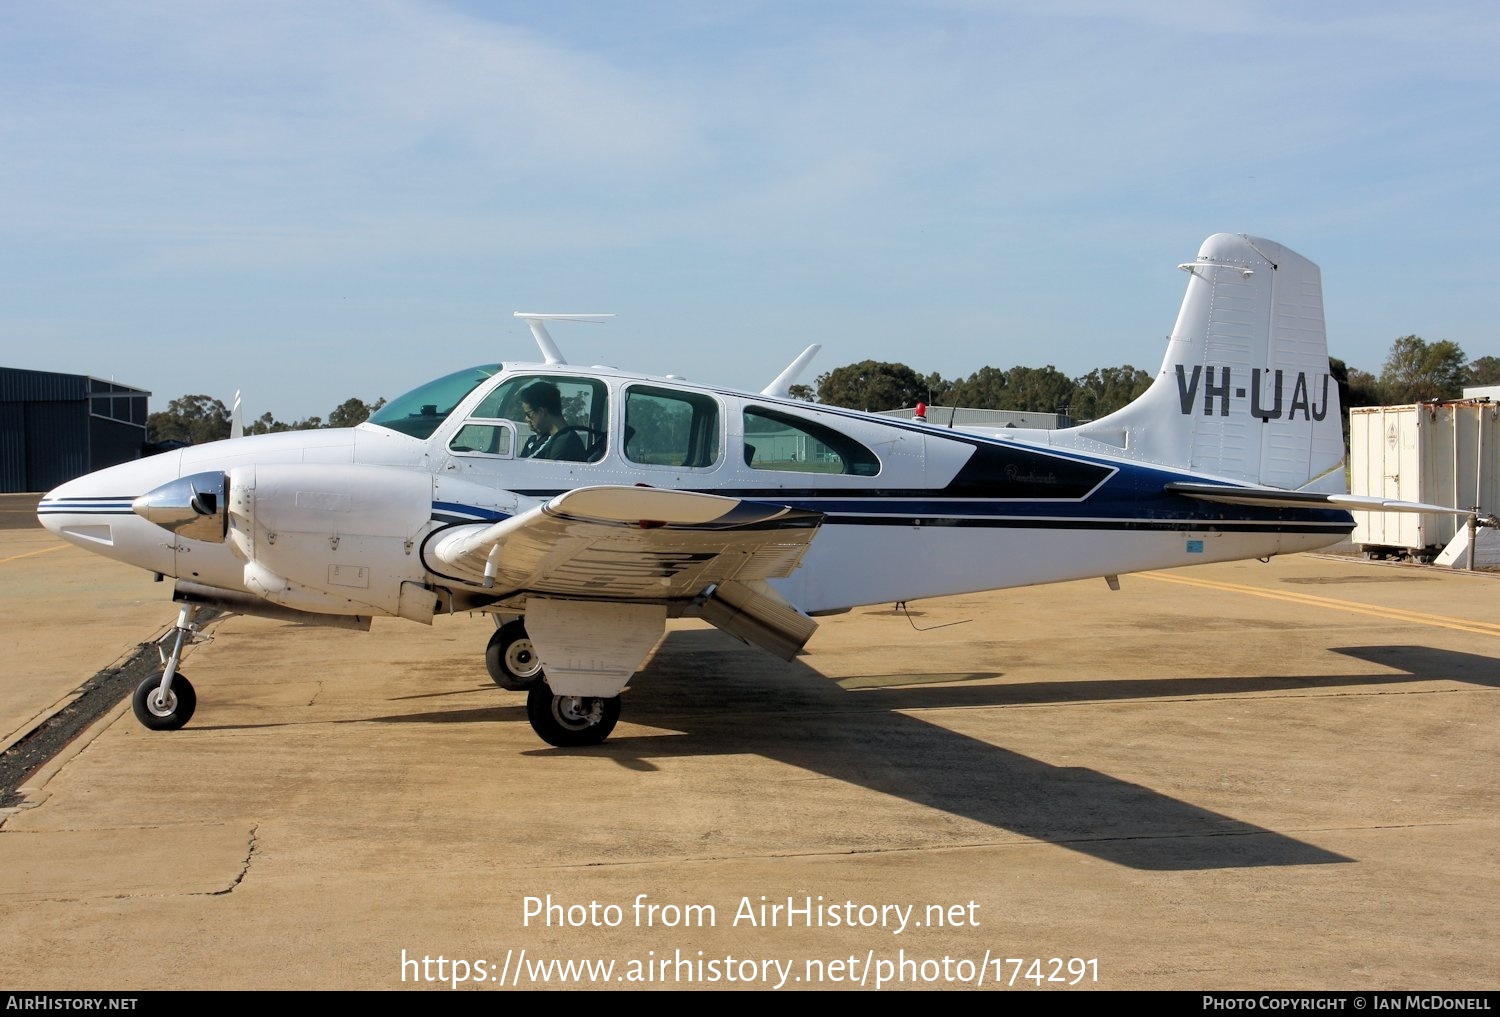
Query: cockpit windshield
x,y
420,411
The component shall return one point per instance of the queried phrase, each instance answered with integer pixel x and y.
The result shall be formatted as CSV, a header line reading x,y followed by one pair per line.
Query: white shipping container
x,y
1444,453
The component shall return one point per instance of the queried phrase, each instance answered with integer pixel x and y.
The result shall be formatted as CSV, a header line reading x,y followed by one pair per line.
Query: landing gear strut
x,y
168,702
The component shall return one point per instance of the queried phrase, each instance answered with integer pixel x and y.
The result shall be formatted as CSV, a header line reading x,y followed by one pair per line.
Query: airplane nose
x,y
46,518
78,509
91,509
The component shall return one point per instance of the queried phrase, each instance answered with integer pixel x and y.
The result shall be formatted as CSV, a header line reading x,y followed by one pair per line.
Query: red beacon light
x,y
921,413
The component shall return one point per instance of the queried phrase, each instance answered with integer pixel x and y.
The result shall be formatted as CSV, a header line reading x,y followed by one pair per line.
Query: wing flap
x,y
631,543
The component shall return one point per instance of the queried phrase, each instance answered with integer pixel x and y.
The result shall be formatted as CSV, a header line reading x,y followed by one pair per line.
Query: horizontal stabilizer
x,y
1274,498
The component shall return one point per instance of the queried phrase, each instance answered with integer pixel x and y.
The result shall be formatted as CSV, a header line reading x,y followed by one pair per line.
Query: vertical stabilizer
x,y
1244,391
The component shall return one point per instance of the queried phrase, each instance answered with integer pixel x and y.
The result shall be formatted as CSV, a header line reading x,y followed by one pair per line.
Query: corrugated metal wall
x,y
12,447
20,386
48,435
57,443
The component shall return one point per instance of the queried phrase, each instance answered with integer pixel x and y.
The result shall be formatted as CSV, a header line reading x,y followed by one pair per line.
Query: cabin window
x,y
665,427
420,411
568,419
775,440
495,438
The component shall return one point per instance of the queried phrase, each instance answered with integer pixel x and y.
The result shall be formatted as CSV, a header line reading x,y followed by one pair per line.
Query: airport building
x,y
54,427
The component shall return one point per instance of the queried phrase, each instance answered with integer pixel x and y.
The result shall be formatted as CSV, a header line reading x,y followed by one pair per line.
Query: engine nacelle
x,y
333,538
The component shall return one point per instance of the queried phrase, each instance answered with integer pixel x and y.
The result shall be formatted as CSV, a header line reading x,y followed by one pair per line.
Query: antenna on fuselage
x,y
781,387
550,353
236,418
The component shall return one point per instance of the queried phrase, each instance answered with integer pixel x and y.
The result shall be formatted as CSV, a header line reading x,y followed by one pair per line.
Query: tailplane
x,y
1244,392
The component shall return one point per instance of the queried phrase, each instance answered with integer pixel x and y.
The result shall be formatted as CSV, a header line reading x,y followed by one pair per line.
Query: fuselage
x,y
337,521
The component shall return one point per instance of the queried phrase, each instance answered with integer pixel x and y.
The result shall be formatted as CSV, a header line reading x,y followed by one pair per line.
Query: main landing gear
x,y
168,702
564,721
571,721
510,658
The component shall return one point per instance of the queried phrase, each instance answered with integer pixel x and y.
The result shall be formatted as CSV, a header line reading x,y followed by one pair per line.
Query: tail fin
x,y
1244,391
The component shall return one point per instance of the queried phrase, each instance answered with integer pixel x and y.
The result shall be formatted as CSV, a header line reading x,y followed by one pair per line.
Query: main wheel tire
x,y
510,658
571,721
167,714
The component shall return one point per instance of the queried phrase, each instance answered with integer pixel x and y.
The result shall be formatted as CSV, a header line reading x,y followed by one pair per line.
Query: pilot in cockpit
x,y
551,436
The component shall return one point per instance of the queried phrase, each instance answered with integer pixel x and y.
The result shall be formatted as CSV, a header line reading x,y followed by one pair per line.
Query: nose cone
x,y
81,510
94,510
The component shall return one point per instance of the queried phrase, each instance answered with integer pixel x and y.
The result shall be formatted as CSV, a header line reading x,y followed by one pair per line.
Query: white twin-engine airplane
x,y
583,507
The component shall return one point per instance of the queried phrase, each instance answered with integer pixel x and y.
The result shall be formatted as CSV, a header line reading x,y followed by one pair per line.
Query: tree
x,y
1037,390
1416,370
352,411
1356,387
806,393
1484,371
1105,389
982,390
872,385
192,418
266,424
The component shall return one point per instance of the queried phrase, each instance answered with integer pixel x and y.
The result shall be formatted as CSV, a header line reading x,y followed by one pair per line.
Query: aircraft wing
x,y
1266,497
630,543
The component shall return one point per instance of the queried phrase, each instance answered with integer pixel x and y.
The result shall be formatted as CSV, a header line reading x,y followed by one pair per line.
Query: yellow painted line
x,y
1390,613
28,554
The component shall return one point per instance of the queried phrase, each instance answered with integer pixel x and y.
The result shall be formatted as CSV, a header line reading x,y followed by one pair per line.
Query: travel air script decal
x,y
1222,388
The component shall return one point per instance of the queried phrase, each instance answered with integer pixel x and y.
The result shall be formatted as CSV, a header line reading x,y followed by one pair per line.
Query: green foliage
x,y
875,385
1037,389
352,411
985,389
1484,371
872,385
197,419
192,418
1106,389
1417,370
1364,389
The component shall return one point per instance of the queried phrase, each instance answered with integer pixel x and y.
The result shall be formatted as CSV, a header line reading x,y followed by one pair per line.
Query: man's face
x,y
535,417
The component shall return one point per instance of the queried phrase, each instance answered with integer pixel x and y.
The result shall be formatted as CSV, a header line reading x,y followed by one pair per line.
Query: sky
x,y
308,200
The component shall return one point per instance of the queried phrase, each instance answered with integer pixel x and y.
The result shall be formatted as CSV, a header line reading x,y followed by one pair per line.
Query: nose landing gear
x,y
168,702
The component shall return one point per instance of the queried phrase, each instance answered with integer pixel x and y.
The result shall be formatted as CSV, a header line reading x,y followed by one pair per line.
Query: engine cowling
x,y
333,538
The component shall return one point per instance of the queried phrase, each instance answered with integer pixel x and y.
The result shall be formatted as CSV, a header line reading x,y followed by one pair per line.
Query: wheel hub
x,y
577,711
522,660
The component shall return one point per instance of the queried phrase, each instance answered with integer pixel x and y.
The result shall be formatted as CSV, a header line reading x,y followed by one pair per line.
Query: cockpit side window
x,y
555,417
667,427
420,411
781,441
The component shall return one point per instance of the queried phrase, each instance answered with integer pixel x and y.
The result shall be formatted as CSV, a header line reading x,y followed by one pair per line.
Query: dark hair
x,y
543,395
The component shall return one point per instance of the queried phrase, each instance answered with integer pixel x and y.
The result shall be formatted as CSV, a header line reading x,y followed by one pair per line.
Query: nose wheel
x,y
166,703
164,711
